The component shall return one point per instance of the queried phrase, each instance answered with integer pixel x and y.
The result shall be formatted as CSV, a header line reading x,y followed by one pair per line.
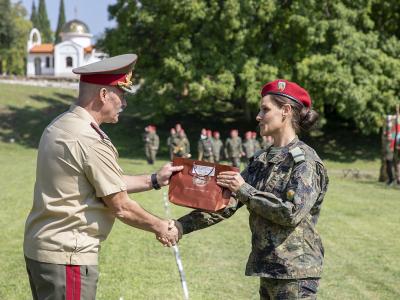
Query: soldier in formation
x,y
257,145
217,147
152,142
283,189
181,145
233,148
204,146
249,146
172,133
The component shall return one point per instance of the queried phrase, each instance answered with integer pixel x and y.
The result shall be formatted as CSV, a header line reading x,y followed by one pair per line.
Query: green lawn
x,y
359,226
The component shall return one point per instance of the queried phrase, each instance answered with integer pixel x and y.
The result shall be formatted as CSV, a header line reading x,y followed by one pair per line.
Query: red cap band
x,y
104,79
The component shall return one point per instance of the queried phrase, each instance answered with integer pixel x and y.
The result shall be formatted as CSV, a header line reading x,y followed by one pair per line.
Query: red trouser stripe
x,y
73,282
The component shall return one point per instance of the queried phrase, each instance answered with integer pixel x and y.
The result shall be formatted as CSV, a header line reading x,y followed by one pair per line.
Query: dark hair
x,y
304,118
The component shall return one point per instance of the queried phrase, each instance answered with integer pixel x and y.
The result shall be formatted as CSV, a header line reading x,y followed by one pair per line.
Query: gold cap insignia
x,y
127,83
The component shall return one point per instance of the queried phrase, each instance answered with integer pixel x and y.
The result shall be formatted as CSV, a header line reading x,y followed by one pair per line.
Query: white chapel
x,y
74,50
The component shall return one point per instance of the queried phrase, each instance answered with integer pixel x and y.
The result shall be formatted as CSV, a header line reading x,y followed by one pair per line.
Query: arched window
x,y
68,62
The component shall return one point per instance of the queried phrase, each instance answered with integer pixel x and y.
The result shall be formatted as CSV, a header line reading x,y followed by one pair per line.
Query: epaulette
x,y
297,154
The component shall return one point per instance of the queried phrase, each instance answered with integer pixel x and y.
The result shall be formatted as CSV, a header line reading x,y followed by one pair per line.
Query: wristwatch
x,y
154,182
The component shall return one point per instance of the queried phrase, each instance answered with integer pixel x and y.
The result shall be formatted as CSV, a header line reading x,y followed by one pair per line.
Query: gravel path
x,y
41,82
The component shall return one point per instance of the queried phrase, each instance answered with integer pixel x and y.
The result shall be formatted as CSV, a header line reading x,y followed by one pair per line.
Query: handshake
x,y
169,233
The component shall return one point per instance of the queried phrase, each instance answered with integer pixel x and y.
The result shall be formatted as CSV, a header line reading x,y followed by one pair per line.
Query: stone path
x,y
41,82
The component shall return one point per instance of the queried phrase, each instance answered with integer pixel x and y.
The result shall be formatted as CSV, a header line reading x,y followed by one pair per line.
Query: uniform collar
x,y
284,151
82,113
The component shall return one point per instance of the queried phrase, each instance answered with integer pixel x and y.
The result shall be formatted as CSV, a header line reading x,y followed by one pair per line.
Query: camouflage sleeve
x,y
296,200
198,219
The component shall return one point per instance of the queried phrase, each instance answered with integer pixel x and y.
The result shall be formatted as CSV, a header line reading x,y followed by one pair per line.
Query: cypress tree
x,y
44,23
61,22
34,16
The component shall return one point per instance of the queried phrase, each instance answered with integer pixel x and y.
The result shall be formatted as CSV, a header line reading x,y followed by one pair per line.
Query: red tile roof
x,y
43,48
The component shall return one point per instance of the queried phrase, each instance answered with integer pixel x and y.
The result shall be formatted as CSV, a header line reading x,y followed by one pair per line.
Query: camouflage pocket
x,y
308,288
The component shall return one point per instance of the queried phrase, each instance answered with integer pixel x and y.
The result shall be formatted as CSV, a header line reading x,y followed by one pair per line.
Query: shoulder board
x,y
258,153
297,154
100,132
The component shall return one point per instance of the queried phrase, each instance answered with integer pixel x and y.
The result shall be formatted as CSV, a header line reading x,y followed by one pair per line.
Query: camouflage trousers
x,y
288,289
150,155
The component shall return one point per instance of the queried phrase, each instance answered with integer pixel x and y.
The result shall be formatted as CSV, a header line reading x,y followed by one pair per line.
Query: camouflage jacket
x,y
152,141
257,145
283,195
249,148
217,147
233,147
181,146
204,148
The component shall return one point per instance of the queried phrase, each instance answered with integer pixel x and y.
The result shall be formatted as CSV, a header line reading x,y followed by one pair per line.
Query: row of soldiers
x,y
210,146
212,149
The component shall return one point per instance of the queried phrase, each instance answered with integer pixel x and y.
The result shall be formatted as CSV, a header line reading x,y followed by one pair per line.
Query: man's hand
x,y
169,233
231,180
164,174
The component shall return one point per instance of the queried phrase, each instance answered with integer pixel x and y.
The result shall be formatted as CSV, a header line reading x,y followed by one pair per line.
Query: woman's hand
x,y
231,180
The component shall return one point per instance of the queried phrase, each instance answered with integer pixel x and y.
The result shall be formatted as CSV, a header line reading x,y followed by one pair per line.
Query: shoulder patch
x,y
297,154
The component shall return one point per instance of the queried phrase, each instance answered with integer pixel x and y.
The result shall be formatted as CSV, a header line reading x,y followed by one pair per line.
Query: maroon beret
x,y
291,90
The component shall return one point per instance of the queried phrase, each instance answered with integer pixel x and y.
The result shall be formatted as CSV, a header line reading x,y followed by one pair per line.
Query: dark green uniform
x,y
233,150
217,148
204,149
283,193
152,142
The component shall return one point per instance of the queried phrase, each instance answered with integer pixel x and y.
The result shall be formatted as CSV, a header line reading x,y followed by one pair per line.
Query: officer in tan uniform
x,y
80,189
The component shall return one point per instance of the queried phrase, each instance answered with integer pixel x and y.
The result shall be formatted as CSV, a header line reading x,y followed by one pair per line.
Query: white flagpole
x,y
176,253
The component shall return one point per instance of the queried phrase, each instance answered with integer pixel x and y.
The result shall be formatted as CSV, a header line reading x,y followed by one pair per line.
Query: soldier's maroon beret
x,y
291,90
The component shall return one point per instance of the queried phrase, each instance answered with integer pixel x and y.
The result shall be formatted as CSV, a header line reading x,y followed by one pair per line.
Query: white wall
x,y
44,70
61,52
82,39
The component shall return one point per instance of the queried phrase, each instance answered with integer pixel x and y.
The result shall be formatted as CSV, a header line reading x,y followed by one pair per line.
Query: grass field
x,y
359,225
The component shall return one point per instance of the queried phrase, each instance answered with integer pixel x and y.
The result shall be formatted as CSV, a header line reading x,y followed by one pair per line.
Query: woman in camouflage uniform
x,y
283,188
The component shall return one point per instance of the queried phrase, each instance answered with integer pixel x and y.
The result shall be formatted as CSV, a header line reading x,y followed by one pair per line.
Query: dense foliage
x,y
43,23
207,56
14,30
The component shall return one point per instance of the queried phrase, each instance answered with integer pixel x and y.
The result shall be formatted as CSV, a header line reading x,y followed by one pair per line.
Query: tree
x,y
34,15
44,23
60,23
206,56
14,29
7,33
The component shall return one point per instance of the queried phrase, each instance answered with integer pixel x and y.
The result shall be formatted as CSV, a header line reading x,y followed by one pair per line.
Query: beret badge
x,y
281,85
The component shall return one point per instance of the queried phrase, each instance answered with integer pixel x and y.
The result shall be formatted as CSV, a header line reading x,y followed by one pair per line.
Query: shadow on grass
x,y
26,125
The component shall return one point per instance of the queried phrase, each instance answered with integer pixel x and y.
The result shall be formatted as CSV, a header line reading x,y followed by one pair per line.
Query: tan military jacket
x,y
76,166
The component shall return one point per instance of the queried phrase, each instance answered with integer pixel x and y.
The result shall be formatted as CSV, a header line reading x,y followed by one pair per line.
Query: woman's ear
x,y
286,110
